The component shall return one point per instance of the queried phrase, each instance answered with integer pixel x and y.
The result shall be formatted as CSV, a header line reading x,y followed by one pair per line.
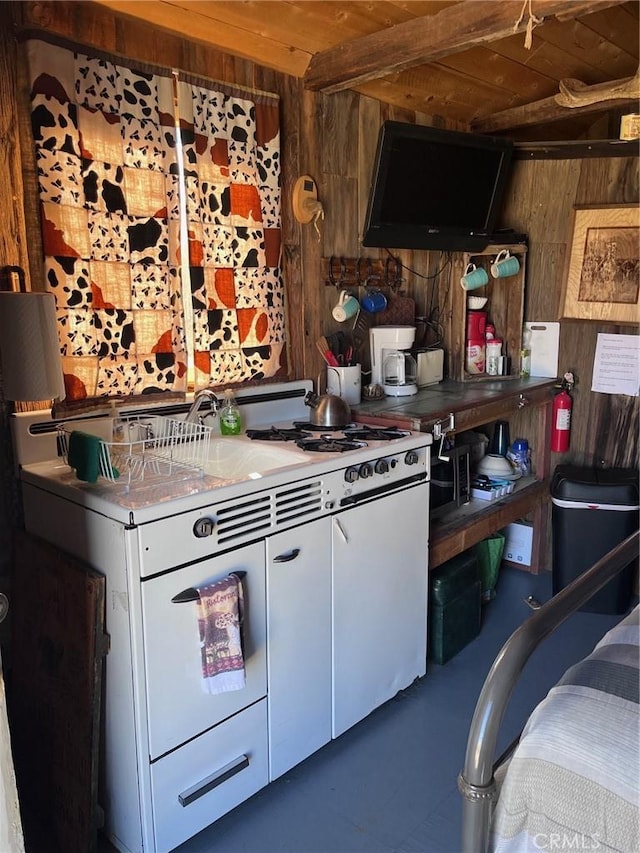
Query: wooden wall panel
x,y
13,246
608,181
541,201
369,122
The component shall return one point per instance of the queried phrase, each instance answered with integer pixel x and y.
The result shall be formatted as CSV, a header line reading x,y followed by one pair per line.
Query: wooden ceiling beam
x,y
430,38
543,112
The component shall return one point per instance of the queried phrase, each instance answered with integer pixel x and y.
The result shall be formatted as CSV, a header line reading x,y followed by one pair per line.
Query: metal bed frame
x,y
476,782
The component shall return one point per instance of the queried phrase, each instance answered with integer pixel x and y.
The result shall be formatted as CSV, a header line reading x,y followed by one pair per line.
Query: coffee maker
x,y
392,366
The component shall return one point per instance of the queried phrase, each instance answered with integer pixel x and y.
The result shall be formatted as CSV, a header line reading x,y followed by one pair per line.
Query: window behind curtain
x,y
110,191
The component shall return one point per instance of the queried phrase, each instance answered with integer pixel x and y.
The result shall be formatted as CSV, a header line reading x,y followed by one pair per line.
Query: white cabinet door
x,y
299,643
379,602
178,707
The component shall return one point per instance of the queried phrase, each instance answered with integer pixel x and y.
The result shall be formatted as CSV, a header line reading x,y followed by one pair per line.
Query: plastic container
x,y
593,510
476,325
494,351
230,420
518,454
525,354
475,362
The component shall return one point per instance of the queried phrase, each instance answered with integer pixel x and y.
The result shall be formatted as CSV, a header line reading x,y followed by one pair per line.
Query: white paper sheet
x,y
616,366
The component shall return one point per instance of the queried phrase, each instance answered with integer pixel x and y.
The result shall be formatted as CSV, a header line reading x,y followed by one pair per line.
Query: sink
x,y
239,458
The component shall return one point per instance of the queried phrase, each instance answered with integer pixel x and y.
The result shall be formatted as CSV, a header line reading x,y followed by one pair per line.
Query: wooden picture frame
x,y
603,278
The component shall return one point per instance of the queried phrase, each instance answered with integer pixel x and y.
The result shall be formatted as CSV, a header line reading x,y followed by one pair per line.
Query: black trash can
x,y
593,510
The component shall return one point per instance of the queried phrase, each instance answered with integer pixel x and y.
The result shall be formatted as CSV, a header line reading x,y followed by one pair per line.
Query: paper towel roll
x,y
31,364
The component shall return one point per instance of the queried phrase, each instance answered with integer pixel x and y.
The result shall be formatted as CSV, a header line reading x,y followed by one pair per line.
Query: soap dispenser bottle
x,y
230,422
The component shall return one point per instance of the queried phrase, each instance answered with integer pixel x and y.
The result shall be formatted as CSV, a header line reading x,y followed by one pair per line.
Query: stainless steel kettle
x,y
328,410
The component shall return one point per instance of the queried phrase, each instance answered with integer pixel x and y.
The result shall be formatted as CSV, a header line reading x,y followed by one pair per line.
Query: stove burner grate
x,y
278,434
375,433
327,444
307,425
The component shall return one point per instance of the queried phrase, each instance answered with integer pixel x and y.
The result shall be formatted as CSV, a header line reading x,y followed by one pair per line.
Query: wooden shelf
x,y
505,308
475,405
464,527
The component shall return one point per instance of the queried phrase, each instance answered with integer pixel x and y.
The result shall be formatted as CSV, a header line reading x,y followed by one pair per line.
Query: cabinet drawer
x,y
207,777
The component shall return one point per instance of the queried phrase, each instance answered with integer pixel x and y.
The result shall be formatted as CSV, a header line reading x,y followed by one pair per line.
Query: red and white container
x,y
476,325
475,360
475,355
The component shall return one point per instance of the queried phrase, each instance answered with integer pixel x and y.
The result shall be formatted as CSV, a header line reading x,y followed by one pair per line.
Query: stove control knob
x,y
382,466
203,527
411,458
351,475
366,470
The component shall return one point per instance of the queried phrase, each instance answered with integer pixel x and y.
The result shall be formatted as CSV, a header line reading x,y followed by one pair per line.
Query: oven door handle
x,y
286,558
192,594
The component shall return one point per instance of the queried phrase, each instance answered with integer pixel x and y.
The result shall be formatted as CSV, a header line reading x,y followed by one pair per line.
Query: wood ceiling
x,y
466,61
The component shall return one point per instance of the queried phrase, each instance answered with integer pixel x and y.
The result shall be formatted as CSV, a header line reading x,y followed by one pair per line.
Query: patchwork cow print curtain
x,y
110,199
232,167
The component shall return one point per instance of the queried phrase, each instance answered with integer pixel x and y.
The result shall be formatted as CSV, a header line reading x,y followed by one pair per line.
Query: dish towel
x,y
88,457
220,611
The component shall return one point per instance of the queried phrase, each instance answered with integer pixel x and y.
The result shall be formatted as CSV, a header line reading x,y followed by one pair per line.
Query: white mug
x,y
345,382
347,306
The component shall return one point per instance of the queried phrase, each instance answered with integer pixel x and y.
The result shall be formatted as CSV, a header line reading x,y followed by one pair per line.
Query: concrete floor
x,y
389,784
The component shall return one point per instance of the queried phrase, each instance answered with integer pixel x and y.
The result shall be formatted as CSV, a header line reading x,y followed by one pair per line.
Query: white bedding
x,y
573,781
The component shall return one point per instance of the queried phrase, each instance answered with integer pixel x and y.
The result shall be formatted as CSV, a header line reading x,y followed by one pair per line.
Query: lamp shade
x,y
31,364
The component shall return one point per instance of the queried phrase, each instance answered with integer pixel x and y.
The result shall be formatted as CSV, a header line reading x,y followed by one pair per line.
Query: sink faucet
x,y
193,415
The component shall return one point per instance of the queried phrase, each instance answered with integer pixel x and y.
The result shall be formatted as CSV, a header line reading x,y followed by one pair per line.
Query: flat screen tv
x,y
435,189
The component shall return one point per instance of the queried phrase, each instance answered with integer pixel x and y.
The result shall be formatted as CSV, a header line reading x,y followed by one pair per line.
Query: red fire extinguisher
x,y
561,424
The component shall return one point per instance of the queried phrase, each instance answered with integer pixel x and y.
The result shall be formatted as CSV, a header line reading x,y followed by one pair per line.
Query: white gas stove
x,y
330,536
332,469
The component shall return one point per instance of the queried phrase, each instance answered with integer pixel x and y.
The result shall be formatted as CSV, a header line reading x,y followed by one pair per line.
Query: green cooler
x,y
455,606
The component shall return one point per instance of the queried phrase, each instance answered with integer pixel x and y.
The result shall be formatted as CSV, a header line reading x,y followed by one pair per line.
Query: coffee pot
x,y
392,366
399,373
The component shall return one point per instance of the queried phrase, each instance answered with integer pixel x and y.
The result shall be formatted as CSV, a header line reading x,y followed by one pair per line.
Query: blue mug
x,y
374,301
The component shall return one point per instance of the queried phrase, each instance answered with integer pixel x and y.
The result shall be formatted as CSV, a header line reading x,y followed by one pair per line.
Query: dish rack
x,y
151,449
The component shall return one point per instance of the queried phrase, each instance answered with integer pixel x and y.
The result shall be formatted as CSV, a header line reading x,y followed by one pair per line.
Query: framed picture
x,y
603,279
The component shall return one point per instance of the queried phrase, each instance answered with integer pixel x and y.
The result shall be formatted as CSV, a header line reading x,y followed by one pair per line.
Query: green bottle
x,y
230,421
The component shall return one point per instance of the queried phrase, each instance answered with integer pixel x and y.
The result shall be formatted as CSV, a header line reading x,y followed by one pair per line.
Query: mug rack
x,y
363,272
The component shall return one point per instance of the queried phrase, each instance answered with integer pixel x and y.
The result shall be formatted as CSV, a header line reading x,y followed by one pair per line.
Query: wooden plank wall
x,y
542,196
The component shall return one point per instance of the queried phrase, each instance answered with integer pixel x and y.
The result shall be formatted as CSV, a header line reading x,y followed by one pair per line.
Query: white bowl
x,y
475,303
494,465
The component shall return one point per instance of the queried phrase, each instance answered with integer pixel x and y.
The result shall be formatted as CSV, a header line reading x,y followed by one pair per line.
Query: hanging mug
x,y
346,307
374,301
504,265
474,277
